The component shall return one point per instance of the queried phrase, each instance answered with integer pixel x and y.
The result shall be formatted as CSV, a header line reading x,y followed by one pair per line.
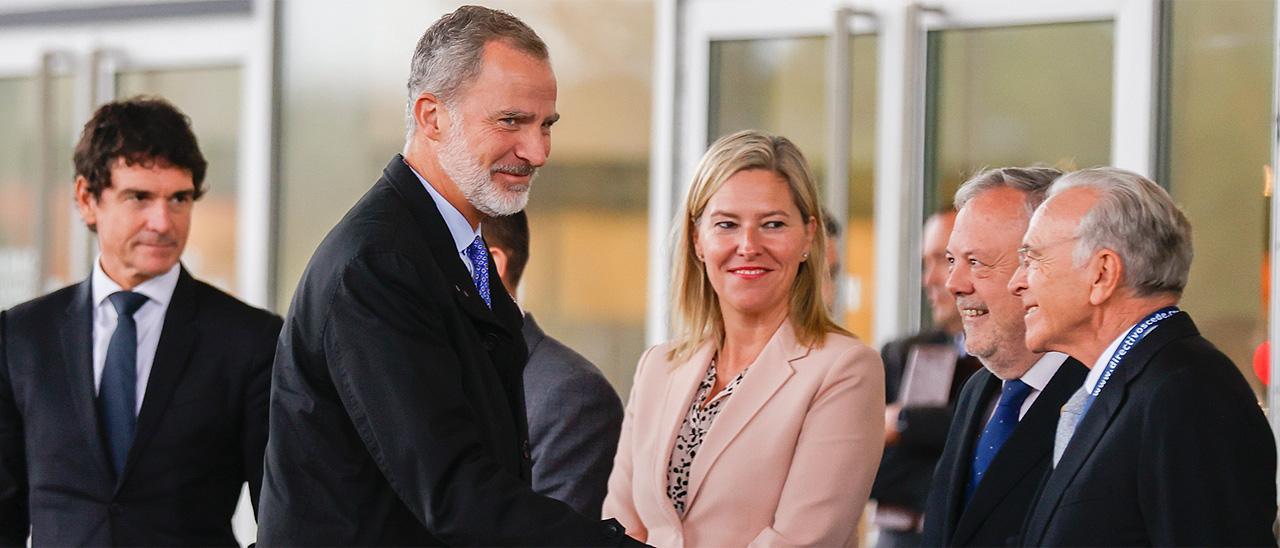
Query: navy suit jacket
x,y
994,516
1174,452
199,438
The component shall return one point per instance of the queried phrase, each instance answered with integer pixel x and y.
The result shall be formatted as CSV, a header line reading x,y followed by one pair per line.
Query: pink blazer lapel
x,y
682,383
765,376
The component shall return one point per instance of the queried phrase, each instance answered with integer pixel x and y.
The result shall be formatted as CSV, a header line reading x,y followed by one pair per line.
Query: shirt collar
x,y
459,228
1044,369
1095,372
159,289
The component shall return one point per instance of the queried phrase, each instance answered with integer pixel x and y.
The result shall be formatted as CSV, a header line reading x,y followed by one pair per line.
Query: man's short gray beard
x,y
476,182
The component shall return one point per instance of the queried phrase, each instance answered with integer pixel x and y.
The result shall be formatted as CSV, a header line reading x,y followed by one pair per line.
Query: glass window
x,y
19,191
1015,96
343,75
1218,140
35,212
779,85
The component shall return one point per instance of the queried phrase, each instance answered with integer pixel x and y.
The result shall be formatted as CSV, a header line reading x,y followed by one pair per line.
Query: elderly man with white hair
x,y
1165,443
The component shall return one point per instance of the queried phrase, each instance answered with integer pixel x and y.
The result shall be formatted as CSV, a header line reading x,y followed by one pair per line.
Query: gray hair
x,y
448,56
1138,220
1032,181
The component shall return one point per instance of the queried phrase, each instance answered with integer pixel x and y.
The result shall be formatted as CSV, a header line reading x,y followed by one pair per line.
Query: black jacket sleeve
x,y
14,519
399,380
254,422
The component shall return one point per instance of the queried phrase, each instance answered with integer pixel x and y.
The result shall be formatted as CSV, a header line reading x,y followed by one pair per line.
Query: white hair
x,y
1138,220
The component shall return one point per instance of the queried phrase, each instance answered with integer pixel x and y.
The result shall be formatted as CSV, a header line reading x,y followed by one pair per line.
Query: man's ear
x,y
427,112
500,262
1106,274
86,203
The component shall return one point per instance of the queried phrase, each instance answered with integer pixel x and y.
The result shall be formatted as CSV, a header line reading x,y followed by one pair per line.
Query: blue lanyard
x,y
1136,333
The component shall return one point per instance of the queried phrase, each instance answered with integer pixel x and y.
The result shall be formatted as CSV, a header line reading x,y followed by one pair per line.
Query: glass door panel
x,y
1217,164
36,208
211,98
1038,94
1015,96
19,191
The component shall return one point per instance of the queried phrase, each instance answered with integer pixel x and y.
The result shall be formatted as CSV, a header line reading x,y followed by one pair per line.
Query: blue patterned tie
x,y
479,255
117,392
998,431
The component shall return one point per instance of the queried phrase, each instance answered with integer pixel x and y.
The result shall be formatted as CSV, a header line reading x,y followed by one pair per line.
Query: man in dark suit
x,y
574,415
1164,444
397,413
915,434
1000,441
133,405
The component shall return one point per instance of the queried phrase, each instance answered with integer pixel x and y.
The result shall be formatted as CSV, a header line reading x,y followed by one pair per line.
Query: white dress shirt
x,y
459,228
149,319
1037,378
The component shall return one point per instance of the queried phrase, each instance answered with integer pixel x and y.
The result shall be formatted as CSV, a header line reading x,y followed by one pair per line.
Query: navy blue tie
x,y
479,255
117,392
998,431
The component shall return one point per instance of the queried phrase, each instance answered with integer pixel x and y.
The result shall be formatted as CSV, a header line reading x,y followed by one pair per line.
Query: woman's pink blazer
x,y
788,462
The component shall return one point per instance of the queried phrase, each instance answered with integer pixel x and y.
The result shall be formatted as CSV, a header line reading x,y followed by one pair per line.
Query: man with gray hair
x,y
1164,444
1001,437
397,413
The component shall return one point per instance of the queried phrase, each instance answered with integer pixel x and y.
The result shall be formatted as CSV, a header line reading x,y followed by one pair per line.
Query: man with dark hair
x,y
575,417
915,431
397,413
133,405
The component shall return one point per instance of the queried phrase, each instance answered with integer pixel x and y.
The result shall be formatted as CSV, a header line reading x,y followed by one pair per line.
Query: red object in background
x,y
1261,362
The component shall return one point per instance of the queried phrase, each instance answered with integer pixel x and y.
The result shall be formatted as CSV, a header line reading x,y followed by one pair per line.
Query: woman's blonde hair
x,y
696,308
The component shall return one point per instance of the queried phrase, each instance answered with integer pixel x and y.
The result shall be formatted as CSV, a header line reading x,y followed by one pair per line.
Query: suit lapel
x,y
765,376
682,383
1030,445
173,355
974,413
440,244
1099,418
77,352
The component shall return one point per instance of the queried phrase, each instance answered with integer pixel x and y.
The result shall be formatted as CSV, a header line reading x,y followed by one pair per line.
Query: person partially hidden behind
x,y
915,433
1164,444
574,415
761,423
1001,439
133,405
397,408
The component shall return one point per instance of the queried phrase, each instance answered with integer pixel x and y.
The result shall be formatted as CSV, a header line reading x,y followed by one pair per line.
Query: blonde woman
x,y
762,422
